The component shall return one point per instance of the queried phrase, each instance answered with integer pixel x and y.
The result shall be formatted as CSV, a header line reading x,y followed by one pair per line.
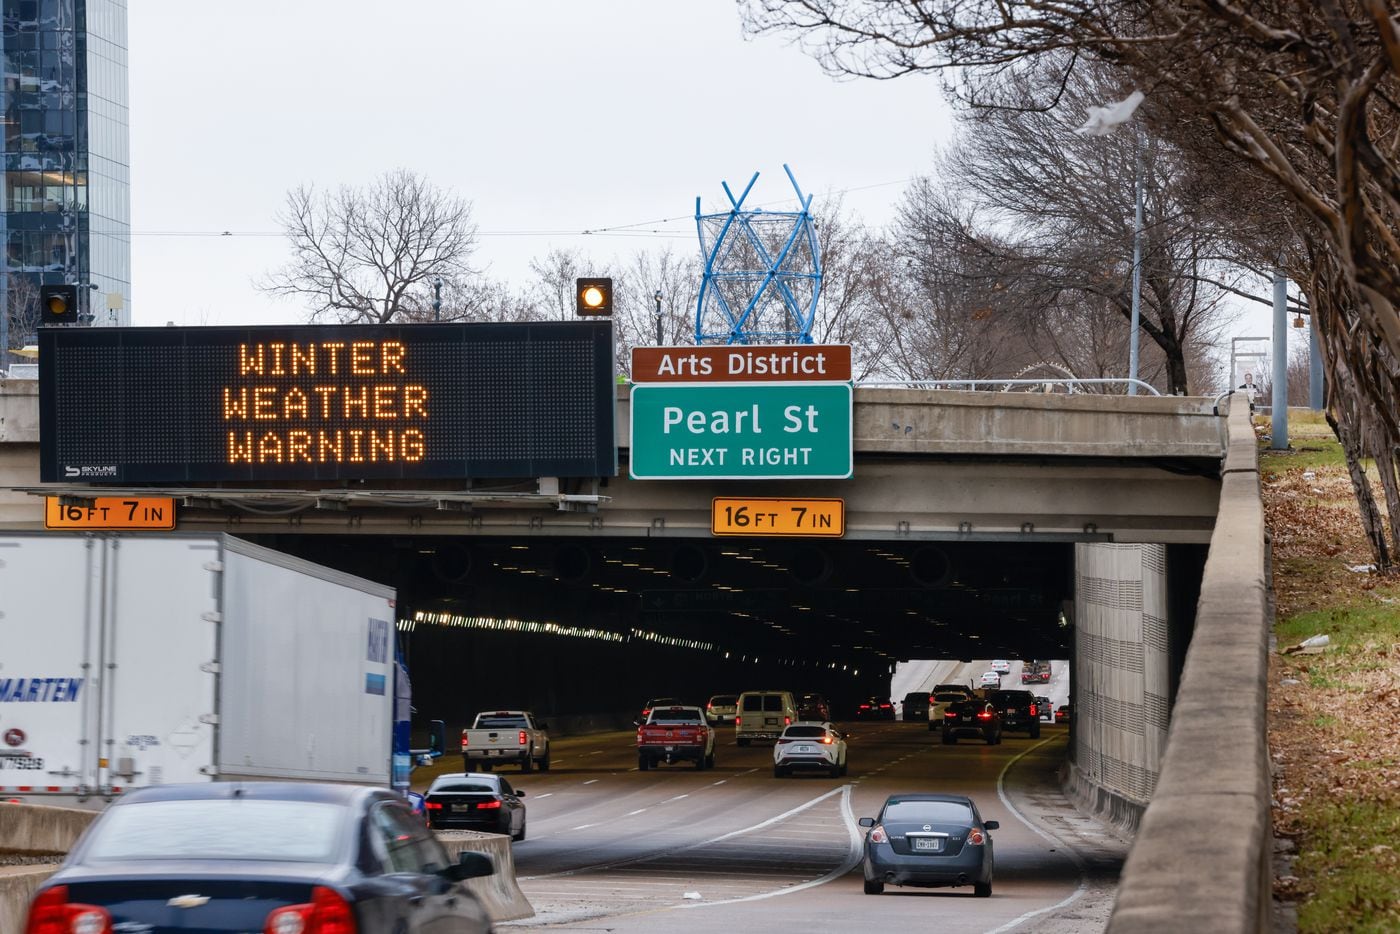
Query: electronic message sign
x,y
329,402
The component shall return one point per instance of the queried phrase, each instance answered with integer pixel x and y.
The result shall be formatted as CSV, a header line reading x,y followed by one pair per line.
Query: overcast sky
x,y
549,116
552,117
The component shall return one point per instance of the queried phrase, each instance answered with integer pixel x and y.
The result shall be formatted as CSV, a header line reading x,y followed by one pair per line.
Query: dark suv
x,y
1019,711
813,707
976,718
916,706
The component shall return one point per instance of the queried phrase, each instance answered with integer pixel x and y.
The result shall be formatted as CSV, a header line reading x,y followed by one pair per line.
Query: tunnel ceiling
x,y
860,602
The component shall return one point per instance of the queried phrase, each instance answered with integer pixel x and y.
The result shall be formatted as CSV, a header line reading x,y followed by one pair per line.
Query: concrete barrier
x,y
36,829
17,885
498,892
1201,860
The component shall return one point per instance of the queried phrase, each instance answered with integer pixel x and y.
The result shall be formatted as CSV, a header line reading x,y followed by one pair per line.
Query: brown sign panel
x,y
111,512
742,363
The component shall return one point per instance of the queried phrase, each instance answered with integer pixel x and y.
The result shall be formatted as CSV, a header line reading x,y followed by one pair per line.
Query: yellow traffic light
x,y
594,297
58,304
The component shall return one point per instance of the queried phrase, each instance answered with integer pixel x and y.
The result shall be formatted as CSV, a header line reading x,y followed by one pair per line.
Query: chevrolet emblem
x,y
188,901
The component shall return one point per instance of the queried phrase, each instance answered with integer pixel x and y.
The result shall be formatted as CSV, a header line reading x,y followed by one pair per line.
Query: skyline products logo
x,y
105,472
14,737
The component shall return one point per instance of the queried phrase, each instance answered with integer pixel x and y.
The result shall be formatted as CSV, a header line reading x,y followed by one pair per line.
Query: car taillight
x,y
738,720
950,714
524,737
53,913
464,739
877,835
883,706
326,913
432,806
827,740
975,838
487,805
787,721
709,706
864,706
985,715
646,712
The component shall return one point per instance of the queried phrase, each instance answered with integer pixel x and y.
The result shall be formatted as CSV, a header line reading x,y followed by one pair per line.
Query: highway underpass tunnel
x,y
592,627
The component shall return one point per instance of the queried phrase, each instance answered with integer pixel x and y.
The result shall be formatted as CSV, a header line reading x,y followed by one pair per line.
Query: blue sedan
x,y
928,840
260,856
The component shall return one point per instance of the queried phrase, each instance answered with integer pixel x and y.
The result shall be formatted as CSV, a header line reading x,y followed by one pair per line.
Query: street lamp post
x,y
659,335
437,299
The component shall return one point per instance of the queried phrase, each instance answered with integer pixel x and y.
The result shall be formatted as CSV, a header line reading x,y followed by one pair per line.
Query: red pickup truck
x,y
671,734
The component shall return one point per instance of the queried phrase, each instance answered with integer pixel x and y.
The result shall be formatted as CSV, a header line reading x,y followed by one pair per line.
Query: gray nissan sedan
x,y
928,840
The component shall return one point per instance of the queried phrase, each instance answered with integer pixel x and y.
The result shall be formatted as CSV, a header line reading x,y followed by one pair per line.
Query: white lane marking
x,y
634,813
590,781
854,855
545,795
720,782
737,774
598,752
583,826
1060,844
676,798
693,846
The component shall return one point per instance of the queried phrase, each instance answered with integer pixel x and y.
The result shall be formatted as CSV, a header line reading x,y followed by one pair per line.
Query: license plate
x,y
928,844
804,749
770,721
670,748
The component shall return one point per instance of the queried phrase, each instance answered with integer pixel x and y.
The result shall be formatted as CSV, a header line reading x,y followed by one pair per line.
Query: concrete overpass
x,y
1122,494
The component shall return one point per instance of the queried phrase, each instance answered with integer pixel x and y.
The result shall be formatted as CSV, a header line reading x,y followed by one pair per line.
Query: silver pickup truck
x,y
505,736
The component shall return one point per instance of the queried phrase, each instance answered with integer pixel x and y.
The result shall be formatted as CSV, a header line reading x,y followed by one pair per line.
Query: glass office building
x,y
67,215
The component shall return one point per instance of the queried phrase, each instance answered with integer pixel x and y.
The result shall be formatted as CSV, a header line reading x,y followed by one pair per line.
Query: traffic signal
x,y
594,297
58,304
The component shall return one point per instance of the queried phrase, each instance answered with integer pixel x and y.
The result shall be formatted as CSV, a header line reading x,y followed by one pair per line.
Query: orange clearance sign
x,y
767,515
111,512
742,363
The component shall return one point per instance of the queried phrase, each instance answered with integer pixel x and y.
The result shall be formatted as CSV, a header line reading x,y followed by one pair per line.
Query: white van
x,y
763,715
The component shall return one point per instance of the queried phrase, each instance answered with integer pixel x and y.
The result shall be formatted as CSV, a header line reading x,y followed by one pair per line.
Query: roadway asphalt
x,y
609,848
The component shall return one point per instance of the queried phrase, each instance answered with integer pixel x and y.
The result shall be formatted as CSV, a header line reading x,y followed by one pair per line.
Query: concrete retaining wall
x,y
1201,857
17,885
1121,677
499,892
33,831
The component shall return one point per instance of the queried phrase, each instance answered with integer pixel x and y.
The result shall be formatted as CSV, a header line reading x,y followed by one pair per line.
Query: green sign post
x,y
776,431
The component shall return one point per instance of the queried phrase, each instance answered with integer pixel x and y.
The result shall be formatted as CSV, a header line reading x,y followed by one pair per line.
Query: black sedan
x,y
928,840
475,801
255,856
977,718
875,708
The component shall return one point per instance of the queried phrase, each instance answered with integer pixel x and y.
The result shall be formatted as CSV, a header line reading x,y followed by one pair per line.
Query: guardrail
x,y
1005,384
1202,857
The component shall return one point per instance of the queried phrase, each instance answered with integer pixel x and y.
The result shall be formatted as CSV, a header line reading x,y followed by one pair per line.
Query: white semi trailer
x,y
132,660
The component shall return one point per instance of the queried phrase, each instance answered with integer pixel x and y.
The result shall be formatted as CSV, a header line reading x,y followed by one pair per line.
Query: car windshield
x,y
949,698
501,723
225,828
946,812
915,698
460,784
798,731
675,716
724,700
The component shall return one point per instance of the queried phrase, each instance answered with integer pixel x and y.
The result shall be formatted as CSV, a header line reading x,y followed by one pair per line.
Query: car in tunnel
x,y
1019,711
875,708
1001,666
990,679
722,708
813,707
1045,708
810,745
475,801
928,840
978,718
763,715
1063,713
652,704
260,856
915,705
940,701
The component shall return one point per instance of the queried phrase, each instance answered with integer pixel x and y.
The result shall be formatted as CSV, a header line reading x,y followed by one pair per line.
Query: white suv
x,y
810,745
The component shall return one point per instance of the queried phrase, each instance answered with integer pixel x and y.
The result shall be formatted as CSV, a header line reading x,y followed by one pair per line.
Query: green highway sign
x,y
775,431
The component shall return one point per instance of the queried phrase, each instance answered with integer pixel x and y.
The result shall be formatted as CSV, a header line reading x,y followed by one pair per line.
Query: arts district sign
x,y
710,415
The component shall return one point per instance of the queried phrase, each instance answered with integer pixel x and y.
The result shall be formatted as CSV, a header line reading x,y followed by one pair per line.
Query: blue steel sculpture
x,y
763,273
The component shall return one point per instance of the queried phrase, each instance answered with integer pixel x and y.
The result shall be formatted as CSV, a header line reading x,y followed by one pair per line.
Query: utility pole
x,y
1315,384
659,335
1137,272
1278,407
437,300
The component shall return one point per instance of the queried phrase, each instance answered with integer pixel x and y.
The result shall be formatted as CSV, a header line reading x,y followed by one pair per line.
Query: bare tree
x,y
371,255
22,305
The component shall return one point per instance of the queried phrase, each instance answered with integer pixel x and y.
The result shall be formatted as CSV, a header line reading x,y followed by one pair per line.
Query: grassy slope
x,y
1334,734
